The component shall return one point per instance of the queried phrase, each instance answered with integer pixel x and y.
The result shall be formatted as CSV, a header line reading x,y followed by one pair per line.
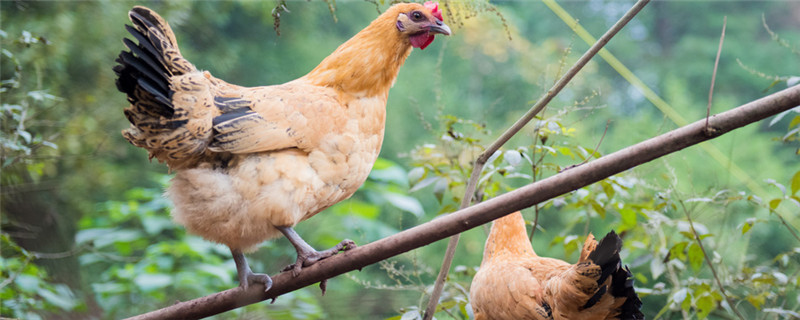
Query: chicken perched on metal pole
x,y
515,283
250,163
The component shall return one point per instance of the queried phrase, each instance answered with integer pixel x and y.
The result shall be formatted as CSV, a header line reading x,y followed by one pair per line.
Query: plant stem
x,y
708,261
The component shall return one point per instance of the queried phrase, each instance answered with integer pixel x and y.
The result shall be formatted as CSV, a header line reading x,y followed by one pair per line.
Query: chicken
x,y
515,283
250,163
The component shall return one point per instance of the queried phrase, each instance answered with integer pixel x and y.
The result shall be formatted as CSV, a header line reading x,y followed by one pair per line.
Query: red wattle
x,y
421,41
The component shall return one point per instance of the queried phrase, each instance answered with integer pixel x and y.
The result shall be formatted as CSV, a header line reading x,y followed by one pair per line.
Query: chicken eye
x,y
416,16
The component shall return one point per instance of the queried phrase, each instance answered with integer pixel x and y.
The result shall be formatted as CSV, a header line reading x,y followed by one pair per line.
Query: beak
x,y
439,28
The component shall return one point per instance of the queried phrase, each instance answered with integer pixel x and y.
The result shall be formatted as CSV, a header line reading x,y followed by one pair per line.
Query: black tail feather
x,y
622,286
142,72
606,255
156,70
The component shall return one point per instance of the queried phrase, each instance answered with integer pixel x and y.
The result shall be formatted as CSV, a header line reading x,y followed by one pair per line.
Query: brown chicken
x,y
515,283
250,163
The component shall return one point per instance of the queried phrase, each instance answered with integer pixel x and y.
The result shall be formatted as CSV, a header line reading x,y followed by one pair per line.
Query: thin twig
x,y
516,127
13,276
714,74
786,224
708,262
591,155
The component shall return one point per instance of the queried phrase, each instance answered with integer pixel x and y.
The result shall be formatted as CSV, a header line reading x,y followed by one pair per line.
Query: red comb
x,y
434,8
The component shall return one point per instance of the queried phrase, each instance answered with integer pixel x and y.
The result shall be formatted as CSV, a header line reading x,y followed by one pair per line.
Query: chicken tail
x,y
146,75
606,255
143,72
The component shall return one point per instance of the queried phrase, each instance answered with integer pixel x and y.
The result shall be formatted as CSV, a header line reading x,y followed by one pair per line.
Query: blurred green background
x,y
86,231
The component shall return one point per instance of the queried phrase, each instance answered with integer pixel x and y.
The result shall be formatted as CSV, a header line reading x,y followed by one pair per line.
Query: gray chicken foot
x,y
307,255
246,276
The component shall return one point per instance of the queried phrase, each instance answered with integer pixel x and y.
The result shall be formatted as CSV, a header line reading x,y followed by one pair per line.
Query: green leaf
x,y
682,298
513,157
424,183
704,306
758,300
598,208
566,151
388,171
62,297
774,203
795,184
703,236
677,251
746,226
440,188
608,189
777,185
628,219
695,256
415,175
405,203
657,267
152,281
27,283
358,208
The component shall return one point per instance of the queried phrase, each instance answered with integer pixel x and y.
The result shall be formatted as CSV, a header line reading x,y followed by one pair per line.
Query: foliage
x,y
26,290
22,138
62,115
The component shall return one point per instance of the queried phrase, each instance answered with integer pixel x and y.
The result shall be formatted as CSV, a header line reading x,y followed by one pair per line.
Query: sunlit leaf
x,y
774,203
757,300
628,219
677,250
795,184
680,298
356,207
746,226
598,208
705,304
695,256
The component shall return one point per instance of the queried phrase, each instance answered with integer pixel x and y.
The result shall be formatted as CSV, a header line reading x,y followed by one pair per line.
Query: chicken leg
x,y
307,255
246,276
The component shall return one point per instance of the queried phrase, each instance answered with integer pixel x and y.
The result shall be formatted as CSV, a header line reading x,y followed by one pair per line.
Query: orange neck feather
x,y
368,63
508,235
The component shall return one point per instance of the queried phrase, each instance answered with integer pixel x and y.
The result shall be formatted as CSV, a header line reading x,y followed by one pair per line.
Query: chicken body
x,y
251,163
515,283
241,203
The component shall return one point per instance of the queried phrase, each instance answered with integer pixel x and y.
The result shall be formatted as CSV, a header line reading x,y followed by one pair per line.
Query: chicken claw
x,y
246,276
306,255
